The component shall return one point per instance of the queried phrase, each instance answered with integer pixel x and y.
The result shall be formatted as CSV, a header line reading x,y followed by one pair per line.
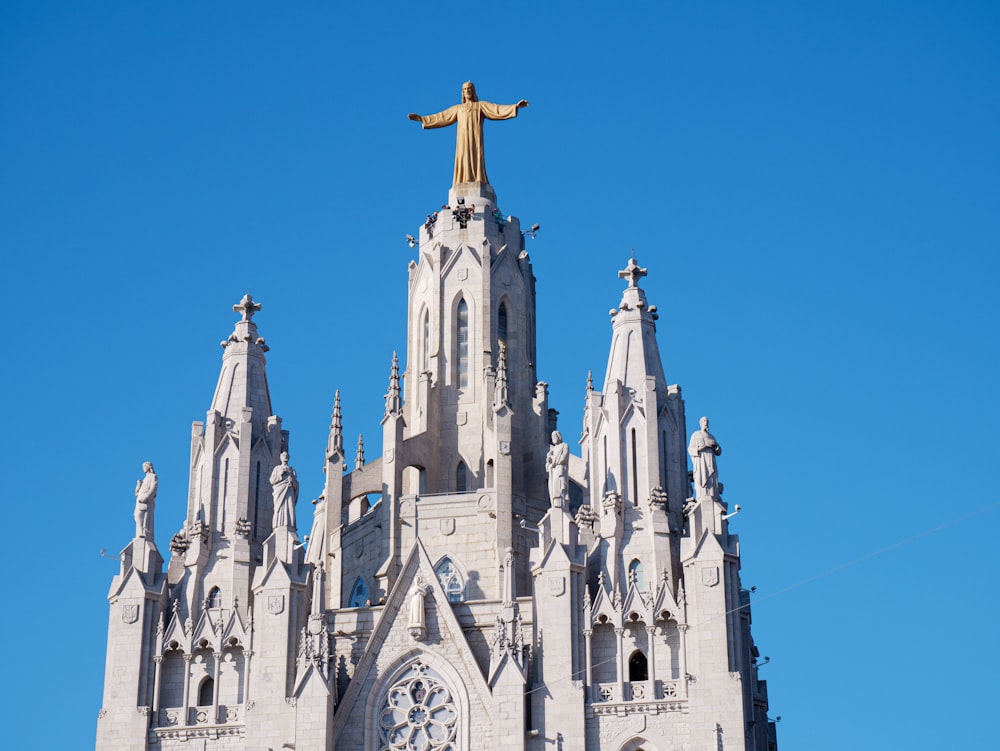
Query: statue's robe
x,y
703,449
470,158
285,489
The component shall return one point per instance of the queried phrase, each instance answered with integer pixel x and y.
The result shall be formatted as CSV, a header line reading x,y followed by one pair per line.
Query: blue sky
x,y
814,190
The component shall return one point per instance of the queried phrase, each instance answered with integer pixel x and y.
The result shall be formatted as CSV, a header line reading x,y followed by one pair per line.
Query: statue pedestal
x,y
559,526
479,194
282,546
142,555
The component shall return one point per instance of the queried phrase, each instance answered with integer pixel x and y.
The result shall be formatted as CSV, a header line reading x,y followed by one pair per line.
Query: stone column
x,y
620,632
217,656
187,688
157,675
587,633
246,680
651,674
683,629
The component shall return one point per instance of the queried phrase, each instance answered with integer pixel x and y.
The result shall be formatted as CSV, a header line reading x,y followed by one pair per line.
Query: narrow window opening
x,y
425,363
638,669
461,478
256,501
635,475
489,473
635,575
225,493
359,595
462,356
214,598
206,692
502,324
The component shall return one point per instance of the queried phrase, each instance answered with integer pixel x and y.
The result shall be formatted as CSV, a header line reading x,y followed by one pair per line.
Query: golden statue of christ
x,y
470,159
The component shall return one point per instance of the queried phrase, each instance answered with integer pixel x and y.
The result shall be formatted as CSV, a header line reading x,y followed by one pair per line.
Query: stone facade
x,y
450,599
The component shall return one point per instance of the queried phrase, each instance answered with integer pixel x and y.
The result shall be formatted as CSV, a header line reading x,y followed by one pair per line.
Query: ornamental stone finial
x,y
247,307
632,272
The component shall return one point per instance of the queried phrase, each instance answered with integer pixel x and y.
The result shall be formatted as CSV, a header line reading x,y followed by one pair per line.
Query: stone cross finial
x,y
632,272
247,307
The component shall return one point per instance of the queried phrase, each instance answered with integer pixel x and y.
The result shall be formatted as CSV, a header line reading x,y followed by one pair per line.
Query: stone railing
x,y
172,717
636,691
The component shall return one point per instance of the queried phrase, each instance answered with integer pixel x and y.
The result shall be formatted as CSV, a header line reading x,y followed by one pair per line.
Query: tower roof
x,y
243,380
634,351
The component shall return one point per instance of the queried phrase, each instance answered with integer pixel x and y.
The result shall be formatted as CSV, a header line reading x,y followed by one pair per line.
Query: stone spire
x,y
243,382
393,403
359,456
634,351
335,443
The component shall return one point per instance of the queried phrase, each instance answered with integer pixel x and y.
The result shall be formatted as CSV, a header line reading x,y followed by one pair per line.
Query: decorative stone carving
x,y
418,712
242,527
703,449
418,593
285,489
470,158
658,497
557,465
612,502
145,501
130,613
586,516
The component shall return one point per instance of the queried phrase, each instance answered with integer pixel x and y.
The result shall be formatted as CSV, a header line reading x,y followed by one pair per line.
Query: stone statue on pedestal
x,y
285,491
557,465
470,159
418,593
703,449
145,500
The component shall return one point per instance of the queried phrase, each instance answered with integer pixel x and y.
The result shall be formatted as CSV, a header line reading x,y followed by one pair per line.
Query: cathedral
x,y
477,585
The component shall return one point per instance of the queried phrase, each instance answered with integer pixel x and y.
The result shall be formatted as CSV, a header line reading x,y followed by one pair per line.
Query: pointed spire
x,y
359,457
336,443
501,395
242,382
590,381
393,404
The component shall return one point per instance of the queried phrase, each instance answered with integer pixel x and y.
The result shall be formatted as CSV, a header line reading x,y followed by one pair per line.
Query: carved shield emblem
x,y
275,604
130,613
557,585
448,526
710,576
505,448
463,274
390,454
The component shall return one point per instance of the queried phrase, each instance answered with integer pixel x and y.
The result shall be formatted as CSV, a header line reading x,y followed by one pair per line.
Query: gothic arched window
x,y
359,594
462,345
637,667
461,478
425,349
502,324
206,692
635,575
451,580
214,598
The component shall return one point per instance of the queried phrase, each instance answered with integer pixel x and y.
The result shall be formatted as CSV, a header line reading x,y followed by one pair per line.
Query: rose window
x,y
419,713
